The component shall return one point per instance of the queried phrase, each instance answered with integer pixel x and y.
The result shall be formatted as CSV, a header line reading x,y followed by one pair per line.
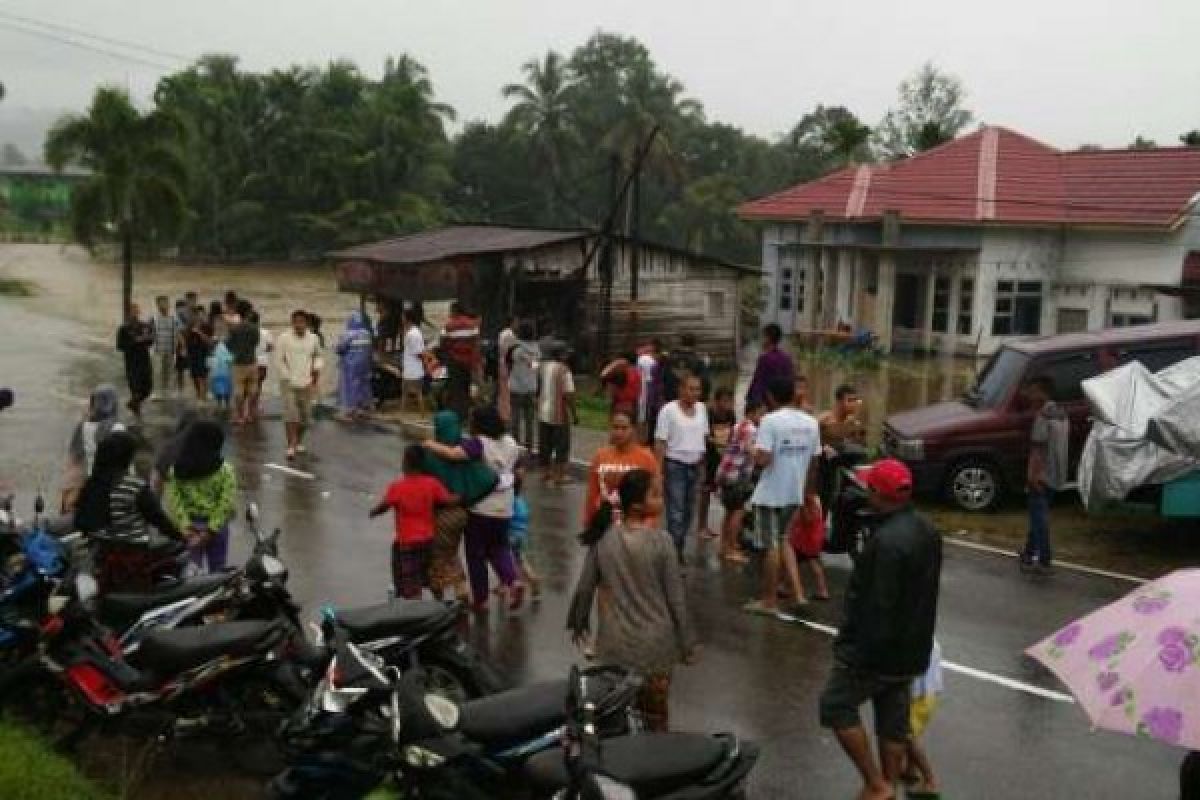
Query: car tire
x,y
974,484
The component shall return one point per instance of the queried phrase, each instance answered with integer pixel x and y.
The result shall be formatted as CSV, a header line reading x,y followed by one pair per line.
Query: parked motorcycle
x,y
366,722
650,766
230,682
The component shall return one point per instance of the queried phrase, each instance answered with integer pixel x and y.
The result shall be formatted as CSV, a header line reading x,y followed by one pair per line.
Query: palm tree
x,y
137,174
542,112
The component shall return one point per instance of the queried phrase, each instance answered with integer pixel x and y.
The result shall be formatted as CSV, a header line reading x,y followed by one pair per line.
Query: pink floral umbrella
x,y
1134,665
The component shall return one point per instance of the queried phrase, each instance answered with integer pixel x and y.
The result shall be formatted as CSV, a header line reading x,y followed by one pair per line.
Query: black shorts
x,y
554,442
735,495
849,688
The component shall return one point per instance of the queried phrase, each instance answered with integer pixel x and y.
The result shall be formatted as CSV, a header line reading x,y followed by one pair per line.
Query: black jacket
x,y
891,601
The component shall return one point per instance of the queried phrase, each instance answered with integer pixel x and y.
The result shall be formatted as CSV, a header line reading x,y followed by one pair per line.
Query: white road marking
x,y
1000,551
308,476
962,669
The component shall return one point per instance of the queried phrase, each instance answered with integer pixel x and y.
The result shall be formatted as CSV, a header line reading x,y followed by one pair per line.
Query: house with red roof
x,y
988,237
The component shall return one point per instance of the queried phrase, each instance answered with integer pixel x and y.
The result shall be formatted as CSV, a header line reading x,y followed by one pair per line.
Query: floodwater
x,y
73,286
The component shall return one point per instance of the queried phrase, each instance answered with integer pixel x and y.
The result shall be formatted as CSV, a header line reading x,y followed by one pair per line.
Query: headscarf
x,y
200,452
470,480
102,410
169,454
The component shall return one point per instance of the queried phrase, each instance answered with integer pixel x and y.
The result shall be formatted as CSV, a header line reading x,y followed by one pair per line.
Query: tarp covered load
x,y
1146,429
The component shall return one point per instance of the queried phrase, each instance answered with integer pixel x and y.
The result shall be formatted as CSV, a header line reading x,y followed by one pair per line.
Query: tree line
x,y
231,164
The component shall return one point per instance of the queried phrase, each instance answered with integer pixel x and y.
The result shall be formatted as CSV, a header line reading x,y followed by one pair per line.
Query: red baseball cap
x,y
890,479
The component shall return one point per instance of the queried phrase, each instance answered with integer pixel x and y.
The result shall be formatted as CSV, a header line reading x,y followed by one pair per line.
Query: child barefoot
x,y
921,780
414,497
518,535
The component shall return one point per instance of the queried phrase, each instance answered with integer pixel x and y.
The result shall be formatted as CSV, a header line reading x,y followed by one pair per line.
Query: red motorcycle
x,y
231,682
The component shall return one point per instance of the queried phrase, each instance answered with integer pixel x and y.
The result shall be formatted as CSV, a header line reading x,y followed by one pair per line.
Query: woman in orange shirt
x,y
610,463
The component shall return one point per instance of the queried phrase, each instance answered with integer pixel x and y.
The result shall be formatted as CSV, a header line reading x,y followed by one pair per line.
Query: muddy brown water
x,y
72,285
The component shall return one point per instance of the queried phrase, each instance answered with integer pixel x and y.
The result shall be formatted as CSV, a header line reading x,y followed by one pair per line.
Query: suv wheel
x,y
974,485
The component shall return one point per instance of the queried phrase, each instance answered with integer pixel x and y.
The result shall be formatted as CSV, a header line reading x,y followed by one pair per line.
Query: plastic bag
x,y
807,532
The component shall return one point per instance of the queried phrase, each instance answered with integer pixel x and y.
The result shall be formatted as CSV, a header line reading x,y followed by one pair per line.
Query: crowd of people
x,y
675,441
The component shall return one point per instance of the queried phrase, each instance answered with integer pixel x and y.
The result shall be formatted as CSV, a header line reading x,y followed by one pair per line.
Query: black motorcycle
x,y
651,766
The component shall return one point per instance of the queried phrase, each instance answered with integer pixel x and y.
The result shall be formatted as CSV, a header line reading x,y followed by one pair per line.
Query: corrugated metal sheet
x,y
1029,182
461,240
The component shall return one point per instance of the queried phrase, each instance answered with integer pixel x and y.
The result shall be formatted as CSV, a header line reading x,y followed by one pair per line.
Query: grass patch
x,y
592,411
846,359
30,771
14,287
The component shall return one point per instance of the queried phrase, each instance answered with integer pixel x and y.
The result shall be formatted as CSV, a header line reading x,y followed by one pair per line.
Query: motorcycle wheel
x,y
262,705
449,681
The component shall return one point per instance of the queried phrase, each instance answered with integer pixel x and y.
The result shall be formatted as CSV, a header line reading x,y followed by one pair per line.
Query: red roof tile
x,y
998,175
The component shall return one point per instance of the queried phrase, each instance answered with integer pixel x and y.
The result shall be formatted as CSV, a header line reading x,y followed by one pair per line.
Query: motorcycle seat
x,y
173,651
652,764
401,618
120,609
516,715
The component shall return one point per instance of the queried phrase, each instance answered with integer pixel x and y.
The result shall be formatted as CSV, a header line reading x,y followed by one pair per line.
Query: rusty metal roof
x,y
459,240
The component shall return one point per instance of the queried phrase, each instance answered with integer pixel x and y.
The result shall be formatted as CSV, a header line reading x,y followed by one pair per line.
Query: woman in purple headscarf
x,y
354,373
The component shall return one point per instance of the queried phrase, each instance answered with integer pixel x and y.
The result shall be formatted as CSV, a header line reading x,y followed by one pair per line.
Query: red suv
x,y
974,450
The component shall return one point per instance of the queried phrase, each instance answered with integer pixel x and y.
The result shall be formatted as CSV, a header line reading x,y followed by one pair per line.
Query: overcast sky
x,y
1065,71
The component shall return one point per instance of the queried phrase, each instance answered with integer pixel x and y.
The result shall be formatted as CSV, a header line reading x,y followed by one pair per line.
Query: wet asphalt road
x,y
757,677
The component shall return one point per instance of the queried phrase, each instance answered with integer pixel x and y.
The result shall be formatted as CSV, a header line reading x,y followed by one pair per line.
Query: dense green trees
x,y
294,162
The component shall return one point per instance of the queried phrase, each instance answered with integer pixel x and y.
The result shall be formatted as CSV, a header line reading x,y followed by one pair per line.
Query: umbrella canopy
x,y
1134,665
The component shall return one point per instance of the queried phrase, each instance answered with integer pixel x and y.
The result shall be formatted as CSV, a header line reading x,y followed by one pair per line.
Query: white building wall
x,y
775,260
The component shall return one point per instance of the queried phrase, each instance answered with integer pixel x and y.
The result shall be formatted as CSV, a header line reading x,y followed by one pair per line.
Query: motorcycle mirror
x,y
86,589
39,505
252,515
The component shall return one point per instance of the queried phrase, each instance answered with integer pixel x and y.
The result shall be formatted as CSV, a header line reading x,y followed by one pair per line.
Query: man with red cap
x,y
887,636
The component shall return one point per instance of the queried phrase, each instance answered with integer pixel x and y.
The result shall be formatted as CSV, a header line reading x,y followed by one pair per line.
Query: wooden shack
x,y
555,279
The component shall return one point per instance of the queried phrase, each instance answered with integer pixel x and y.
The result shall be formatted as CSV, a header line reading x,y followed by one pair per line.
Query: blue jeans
x,y
1037,545
679,485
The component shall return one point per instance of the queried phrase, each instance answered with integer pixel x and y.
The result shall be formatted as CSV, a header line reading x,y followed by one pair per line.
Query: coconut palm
x,y
135,190
543,108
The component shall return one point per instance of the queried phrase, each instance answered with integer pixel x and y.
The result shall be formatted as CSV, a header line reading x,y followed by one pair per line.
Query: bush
x,y
30,771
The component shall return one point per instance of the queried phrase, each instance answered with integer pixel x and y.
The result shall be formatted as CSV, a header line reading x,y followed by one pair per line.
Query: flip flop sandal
x,y
757,608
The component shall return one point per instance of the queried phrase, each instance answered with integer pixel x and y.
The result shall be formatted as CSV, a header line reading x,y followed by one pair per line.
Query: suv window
x,y
999,377
1068,371
1157,355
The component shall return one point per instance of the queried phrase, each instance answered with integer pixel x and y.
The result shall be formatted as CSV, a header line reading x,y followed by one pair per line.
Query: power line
x,y
128,45
129,57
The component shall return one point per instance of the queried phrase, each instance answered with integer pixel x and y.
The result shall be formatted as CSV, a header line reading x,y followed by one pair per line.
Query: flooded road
x,y
757,677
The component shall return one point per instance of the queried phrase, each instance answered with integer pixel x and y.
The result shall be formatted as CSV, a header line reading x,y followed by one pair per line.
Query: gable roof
x,y
458,240
996,175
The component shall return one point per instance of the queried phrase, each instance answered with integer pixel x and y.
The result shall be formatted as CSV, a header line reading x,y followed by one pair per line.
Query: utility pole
x,y
606,260
635,256
126,258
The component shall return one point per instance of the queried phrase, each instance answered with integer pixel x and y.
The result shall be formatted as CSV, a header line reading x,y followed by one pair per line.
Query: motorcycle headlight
x,y
443,710
422,758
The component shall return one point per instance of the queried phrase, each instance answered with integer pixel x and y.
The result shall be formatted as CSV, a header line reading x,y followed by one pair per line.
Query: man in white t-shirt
x,y
298,361
413,374
680,442
785,449
556,414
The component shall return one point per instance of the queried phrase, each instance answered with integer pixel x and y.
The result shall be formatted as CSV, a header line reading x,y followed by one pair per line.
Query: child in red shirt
x,y
413,497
